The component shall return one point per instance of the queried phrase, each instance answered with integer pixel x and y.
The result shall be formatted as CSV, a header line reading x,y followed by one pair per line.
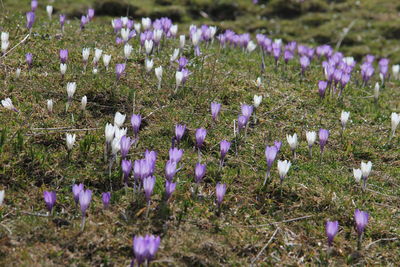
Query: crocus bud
x,y
83,102
361,218
119,70
4,45
200,136
148,46
376,91
136,121
395,119
357,173
49,199
251,46
97,55
242,122
105,197
257,100
71,88
366,170
148,186
169,188
115,146
220,191
70,139
17,73
159,71
146,23
76,189
63,68
126,144
62,21
323,135
283,168
322,88
30,19
119,119
106,60
344,117
179,131
395,71
85,54
137,27
224,148
173,30
331,231
178,78
2,195
85,197
182,41
215,108
311,137
125,34
34,5
50,105
126,166
199,172
259,82
127,50
49,10
247,110
29,59
7,103
170,170
109,133
149,64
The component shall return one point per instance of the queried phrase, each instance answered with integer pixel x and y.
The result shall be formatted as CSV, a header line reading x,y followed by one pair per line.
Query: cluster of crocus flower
x,y
145,249
83,198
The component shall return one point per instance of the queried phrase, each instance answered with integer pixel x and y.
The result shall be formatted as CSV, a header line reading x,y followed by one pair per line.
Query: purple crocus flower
x,y
126,166
170,170
331,231
247,110
141,169
278,145
63,55
126,144
224,148
200,136
85,197
84,21
76,189
136,120
30,19
215,109
179,131
105,197
175,154
220,191
323,138
151,158
169,188
182,61
34,5
119,70
304,63
361,218
322,88
242,121
148,187
145,248
287,55
90,13
50,199
62,20
199,172
270,155
29,59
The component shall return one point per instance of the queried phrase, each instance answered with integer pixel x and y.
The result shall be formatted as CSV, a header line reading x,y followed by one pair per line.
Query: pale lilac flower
x,y
136,121
148,186
63,55
175,154
76,189
105,197
361,218
220,191
126,166
200,136
170,170
119,70
199,172
224,148
169,188
30,19
331,231
215,109
85,197
50,199
126,144
179,131
323,138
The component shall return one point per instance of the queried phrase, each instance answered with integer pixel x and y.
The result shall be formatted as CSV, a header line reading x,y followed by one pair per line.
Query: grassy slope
x,y
33,161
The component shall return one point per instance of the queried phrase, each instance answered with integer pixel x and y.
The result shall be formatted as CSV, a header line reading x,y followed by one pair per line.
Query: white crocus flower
x,y
259,82
83,102
106,60
251,46
71,88
5,36
146,23
395,118
2,195
127,50
173,30
283,168
396,70
119,119
115,146
97,55
7,103
366,170
148,46
50,105
4,46
357,173
257,100
49,10
85,54
344,117
70,139
63,68
174,55
159,72
149,64
119,132
137,27
292,141
376,91
157,35
109,133
178,78
17,72
125,34
182,41
311,137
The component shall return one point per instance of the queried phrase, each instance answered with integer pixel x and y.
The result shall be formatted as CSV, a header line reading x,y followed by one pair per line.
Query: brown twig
x,y
265,246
